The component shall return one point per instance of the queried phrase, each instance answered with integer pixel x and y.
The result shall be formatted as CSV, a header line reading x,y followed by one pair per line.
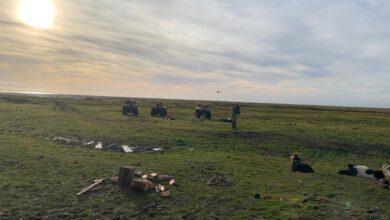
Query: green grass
x,y
39,177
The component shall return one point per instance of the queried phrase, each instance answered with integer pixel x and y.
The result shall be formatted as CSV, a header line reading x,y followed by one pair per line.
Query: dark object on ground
x,y
257,196
297,165
126,174
203,111
362,171
378,174
219,179
351,171
159,110
130,107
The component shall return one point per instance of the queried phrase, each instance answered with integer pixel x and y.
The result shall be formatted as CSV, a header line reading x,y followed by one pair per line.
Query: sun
x,y
37,13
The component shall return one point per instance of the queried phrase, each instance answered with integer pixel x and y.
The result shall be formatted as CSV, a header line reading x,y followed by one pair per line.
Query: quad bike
x,y
203,111
130,107
159,110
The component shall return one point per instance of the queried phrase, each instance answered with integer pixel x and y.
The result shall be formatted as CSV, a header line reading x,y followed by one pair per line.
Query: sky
x,y
333,52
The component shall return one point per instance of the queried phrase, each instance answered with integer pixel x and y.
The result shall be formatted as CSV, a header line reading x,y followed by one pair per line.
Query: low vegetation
x,y
39,177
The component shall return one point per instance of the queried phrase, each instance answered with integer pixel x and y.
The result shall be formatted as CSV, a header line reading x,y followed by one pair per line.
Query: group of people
x,y
352,170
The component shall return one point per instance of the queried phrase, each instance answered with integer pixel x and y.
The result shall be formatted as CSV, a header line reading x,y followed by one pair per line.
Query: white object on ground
x,y
127,149
99,145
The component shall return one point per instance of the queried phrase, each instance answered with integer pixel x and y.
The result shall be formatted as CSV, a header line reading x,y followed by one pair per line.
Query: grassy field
x,y
39,177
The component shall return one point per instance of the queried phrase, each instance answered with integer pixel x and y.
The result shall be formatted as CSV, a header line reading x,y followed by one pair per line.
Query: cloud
x,y
274,51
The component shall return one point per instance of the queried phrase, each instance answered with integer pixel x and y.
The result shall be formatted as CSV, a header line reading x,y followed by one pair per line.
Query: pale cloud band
x,y
305,51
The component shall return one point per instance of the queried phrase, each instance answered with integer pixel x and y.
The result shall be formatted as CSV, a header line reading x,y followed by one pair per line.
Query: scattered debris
x,y
113,146
130,178
99,145
142,185
160,188
164,192
127,149
91,187
219,179
172,182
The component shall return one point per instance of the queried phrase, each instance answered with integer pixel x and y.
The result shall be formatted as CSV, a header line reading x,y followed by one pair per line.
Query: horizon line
x,y
43,94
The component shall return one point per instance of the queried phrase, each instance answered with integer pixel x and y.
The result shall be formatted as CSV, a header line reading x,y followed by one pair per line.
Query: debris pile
x,y
219,179
130,178
113,146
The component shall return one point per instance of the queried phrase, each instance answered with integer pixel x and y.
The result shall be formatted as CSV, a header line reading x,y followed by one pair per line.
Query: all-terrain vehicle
x,y
130,107
203,111
159,110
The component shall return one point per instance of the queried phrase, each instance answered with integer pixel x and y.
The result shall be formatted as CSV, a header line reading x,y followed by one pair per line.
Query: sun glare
x,y
37,13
